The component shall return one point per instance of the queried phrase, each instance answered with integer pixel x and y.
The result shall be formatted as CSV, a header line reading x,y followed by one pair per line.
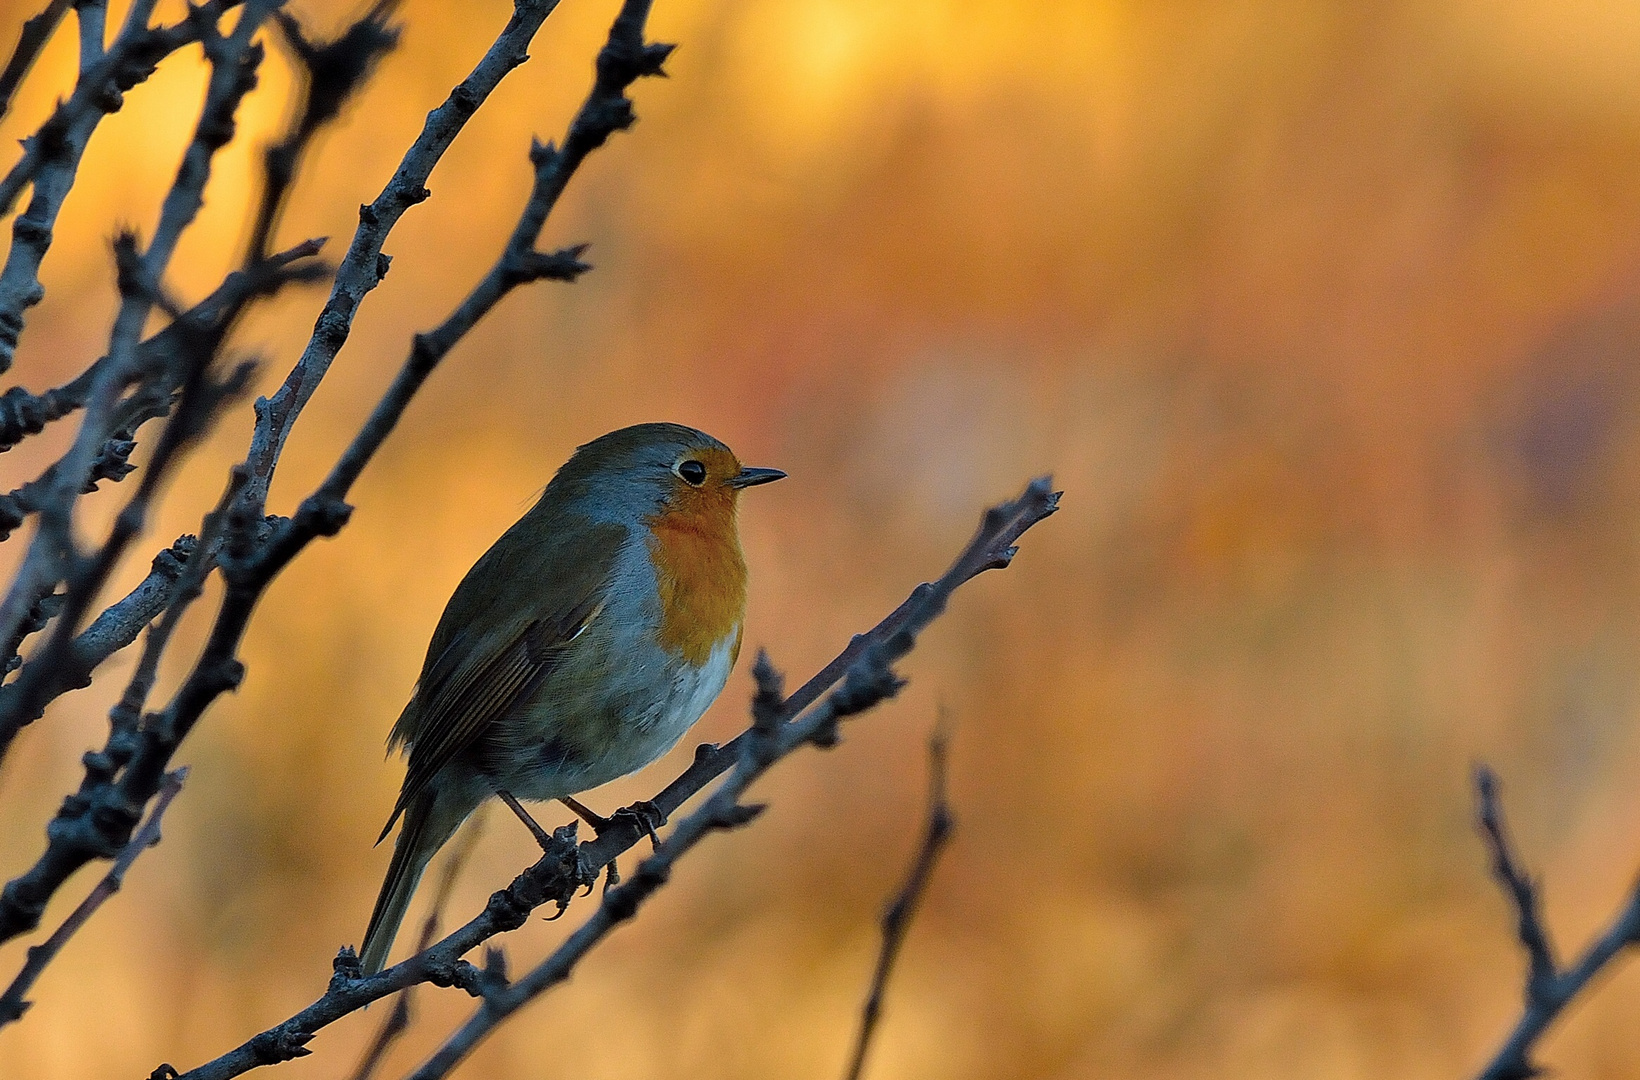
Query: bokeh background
x,y
1325,315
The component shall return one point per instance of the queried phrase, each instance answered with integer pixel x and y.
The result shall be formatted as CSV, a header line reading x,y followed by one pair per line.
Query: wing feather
x,y
466,686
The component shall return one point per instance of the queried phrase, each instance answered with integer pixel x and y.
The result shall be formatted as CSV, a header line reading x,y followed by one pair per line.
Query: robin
x,y
579,648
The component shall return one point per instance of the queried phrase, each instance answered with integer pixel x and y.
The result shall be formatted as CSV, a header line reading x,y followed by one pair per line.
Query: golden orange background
x,y
1324,314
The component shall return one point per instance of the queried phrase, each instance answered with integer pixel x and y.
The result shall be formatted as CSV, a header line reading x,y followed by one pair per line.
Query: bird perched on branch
x,y
579,648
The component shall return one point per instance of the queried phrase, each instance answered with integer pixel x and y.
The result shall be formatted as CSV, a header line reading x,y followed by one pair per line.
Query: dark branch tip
x,y
738,815
770,695
322,515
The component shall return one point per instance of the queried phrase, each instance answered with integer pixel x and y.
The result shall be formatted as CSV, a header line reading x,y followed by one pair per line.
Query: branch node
x,y
278,1045
770,695
738,815
345,969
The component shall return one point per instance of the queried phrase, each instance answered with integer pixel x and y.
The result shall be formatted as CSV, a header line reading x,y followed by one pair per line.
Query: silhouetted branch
x,y
248,548
364,266
51,156
1549,989
23,414
30,43
52,556
330,74
114,629
13,1002
897,919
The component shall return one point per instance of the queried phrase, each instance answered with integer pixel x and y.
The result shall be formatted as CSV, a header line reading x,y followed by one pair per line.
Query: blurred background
x,y
1325,316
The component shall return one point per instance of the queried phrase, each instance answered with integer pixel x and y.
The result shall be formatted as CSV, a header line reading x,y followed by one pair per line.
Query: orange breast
x,y
700,572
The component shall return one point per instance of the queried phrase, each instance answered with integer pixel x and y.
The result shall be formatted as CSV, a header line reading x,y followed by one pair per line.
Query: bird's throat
x,y
701,576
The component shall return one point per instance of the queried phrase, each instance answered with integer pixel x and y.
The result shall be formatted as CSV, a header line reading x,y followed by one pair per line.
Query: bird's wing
x,y
468,683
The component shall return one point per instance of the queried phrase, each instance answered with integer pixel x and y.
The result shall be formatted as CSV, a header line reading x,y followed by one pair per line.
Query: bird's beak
x,y
750,477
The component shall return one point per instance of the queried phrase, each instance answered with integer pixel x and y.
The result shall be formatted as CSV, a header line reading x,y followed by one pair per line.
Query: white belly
x,y
692,692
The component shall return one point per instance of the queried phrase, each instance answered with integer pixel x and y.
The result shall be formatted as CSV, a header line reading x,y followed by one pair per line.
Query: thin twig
x,y
175,353
23,414
1548,989
897,919
114,629
570,867
364,266
330,74
30,43
51,156
13,1002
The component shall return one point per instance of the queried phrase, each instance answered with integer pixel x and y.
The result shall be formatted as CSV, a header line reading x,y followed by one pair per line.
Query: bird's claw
x,y
646,816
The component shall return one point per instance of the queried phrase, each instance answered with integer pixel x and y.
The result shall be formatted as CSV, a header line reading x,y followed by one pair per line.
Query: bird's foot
x,y
643,813
647,816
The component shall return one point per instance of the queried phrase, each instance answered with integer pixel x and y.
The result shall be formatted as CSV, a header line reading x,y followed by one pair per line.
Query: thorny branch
x,y
1549,988
897,919
781,725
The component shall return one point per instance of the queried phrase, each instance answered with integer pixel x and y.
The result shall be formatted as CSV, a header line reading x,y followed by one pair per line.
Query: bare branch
x,y
30,43
1542,970
23,414
114,629
51,156
13,1002
897,919
191,339
556,878
52,556
1548,989
364,266
624,59
331,73
95,821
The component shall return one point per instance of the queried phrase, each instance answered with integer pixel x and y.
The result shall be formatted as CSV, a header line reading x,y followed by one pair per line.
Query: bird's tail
x,y
427,825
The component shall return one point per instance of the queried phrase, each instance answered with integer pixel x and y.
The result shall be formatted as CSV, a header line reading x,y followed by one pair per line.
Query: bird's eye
x,y
692,472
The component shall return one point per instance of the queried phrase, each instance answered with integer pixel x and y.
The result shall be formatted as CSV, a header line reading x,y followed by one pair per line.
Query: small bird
x,y
579,648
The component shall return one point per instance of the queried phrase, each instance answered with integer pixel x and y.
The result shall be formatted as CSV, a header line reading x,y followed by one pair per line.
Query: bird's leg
x,y
598,822
541,835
